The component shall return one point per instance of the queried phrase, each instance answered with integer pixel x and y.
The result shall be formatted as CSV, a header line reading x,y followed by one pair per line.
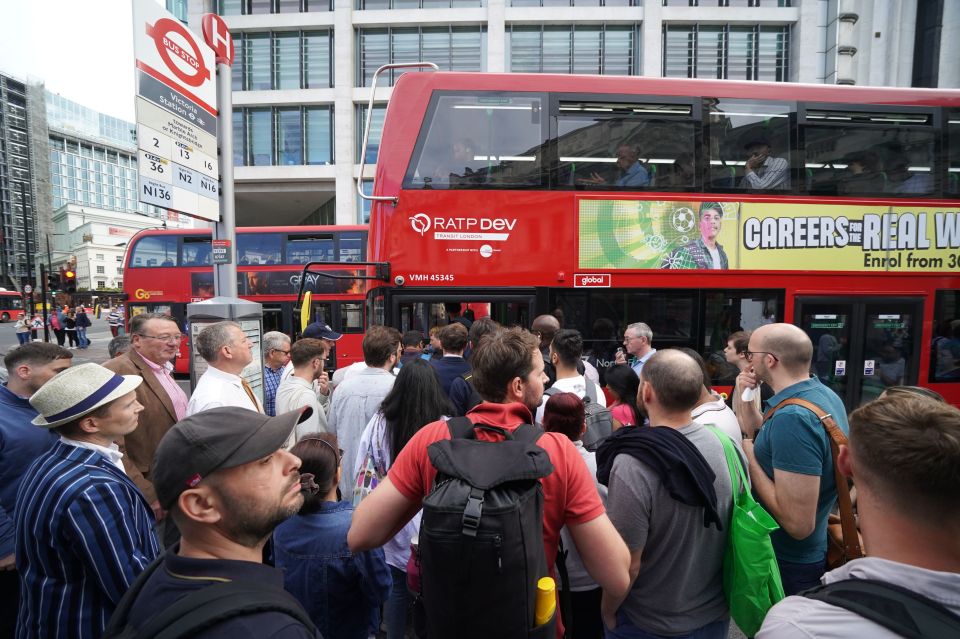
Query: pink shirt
x,y
165,377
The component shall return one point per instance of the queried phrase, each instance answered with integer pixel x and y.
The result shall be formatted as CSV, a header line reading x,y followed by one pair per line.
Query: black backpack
x,y
474,398
897,609
481,536
598,418
202,609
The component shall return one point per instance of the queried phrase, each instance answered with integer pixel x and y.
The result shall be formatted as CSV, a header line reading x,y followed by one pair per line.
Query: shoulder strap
x,y
734,464
566,605
551,391
851,540
460,428
207,607
902,611
592,390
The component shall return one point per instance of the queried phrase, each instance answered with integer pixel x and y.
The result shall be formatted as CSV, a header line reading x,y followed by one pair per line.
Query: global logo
x,y
420,223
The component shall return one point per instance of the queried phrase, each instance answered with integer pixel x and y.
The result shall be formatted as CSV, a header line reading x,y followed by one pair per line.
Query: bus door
x,y
862,345
345,317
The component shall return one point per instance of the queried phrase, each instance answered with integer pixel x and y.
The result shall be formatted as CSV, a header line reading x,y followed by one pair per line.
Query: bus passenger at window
x,y
863,175
761,170
704,252
682,174
632,172
901,180
458,169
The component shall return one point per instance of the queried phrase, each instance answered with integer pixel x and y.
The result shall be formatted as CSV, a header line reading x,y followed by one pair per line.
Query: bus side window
x,y
626,146
749,144
869,151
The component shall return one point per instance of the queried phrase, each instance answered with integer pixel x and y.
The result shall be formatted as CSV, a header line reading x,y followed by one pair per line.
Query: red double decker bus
x,y
167,269
698,207
11,305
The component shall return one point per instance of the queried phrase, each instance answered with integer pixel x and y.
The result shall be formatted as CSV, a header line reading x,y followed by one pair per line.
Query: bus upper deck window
x,y
155,250
750,144
626,145
258,248
484,140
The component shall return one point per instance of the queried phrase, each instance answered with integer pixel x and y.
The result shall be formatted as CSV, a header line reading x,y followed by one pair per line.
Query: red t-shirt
x,y
569,492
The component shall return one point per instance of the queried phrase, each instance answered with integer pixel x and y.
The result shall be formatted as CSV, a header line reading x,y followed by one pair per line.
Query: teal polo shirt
x,y
795,441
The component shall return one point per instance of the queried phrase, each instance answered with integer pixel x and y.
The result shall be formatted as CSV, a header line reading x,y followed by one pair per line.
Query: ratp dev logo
x,y
420,223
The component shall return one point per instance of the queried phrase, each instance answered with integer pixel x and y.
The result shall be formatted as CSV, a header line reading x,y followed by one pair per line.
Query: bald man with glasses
x,y
154,342
791,466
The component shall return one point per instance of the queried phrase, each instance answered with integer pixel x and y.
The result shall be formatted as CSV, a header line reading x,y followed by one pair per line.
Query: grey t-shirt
x,y
680,584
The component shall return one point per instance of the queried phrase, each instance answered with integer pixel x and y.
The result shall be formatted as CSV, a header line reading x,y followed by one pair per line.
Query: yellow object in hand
x,y
546,600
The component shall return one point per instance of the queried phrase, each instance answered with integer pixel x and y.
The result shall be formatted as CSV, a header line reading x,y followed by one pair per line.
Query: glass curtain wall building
x,y
17,212
303,69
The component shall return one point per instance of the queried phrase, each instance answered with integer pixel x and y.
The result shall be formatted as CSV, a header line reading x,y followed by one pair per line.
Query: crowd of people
x,y
324,506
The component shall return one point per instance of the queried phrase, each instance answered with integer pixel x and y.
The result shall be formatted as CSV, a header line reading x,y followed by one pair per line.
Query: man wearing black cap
x,y
320,331
762,171
225,480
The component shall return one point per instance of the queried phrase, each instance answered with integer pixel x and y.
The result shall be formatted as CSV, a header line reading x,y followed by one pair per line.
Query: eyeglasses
x,y
163,338
749,355
277,350
628,338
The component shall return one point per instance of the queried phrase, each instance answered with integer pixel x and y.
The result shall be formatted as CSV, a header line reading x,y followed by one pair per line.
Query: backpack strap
x,y
901,611
209,606
592,389
460,428
463,428
851,540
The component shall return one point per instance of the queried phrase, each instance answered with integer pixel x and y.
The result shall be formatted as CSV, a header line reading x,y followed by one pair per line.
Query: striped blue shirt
x,y
271,382
83,534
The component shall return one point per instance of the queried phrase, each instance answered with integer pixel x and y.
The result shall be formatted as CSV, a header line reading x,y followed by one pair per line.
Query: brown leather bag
x,y
844,542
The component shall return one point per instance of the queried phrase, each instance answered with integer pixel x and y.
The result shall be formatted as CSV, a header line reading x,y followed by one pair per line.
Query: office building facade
x,y
303,68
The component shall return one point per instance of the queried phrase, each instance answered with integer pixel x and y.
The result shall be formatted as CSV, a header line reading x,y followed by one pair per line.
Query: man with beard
x,y
223,477
791,467
508,374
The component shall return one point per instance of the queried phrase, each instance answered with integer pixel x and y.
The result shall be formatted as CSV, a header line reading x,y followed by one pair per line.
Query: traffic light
x,y
53,281
69,281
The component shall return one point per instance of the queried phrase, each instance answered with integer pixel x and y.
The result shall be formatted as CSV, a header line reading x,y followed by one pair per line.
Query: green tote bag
x,y
751,578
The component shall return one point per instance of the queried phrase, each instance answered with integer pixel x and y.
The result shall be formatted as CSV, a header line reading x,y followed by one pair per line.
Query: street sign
x,y
28,289
176,115
221,252
217,35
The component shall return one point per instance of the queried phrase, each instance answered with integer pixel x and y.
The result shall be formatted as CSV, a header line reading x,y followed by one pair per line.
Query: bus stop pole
x,y
225,275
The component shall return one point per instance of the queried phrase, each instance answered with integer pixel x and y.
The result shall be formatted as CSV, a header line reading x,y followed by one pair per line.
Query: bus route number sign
x,y
221,252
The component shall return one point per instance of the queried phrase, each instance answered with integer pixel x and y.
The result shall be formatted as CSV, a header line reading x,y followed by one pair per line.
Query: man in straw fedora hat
x,y
84,531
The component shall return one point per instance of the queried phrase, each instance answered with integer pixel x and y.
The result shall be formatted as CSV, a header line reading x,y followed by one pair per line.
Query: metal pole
x,y
43,294
225,275
26,238
46,327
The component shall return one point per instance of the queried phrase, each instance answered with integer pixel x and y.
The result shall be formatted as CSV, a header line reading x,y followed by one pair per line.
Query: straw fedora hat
x,y
77,391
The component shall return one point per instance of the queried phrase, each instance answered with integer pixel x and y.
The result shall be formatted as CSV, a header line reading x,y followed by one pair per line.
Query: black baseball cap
x,y
215,439
321,331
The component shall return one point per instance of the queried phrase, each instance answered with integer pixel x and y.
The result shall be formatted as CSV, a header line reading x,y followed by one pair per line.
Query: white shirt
x,y
802,618
218,388
576,385
295,393
718,414
111,452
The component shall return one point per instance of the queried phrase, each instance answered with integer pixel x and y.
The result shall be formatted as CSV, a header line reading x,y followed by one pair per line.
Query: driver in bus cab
x,y
632,172
457,169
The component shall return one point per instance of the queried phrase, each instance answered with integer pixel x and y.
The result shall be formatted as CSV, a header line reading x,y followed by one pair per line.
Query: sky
x,y
80,49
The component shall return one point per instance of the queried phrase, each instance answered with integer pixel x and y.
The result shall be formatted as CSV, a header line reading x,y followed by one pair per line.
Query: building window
x,y
749,52
119,258
575,3
461,48
418,4
363,206
591,49
99,256
727,3
283,60
101,270
119,270
376,128
283,136
259,7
